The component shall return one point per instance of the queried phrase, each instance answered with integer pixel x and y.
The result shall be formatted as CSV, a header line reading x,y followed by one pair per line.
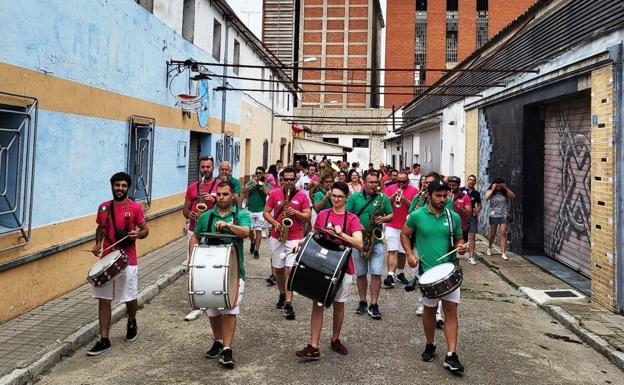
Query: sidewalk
x,y
598,327
35,341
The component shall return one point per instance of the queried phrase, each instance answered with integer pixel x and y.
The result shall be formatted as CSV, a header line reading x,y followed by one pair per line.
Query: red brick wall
x,y
400,25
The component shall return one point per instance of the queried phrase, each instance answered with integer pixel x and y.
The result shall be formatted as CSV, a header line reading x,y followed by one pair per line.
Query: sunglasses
x,y
289,179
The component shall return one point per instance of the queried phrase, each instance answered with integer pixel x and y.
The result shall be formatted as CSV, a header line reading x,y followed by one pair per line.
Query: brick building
x,y
438,34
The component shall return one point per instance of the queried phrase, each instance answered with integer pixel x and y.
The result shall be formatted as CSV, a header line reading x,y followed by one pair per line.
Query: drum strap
x,y
211,219
344,224
449,219
120,233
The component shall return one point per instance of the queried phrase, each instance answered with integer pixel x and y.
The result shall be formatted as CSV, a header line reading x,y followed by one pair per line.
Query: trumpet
x,y
201,205
398,198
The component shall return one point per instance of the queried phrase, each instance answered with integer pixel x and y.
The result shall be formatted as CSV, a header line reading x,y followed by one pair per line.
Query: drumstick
x,y
451,252
119,241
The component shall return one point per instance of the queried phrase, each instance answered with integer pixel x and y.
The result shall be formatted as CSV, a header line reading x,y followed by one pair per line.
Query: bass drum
x,y
213,280
319,268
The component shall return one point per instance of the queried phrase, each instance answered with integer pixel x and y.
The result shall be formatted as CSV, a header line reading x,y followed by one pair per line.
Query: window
x,y
451,31
147,4
265,154
216,40
236,59
330,140
262,80
360,143
288,103
141,157
188,20
18,129
482,22
420,51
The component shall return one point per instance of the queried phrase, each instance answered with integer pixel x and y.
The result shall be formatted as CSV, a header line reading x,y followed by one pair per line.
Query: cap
x,y
455,179
437,185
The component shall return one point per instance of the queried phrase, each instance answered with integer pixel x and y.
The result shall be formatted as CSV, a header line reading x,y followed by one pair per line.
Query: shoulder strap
x,y
366,205
450,225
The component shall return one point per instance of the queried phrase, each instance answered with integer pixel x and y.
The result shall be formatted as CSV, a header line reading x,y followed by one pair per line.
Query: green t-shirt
x,y
317,198
433,235
242,220
358,200
425,201
256,199
236,183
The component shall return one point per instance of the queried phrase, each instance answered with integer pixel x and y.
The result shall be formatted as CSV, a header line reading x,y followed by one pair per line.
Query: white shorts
x,y
453,296
123,288
393,240
233,311
279,249
343,291
257,221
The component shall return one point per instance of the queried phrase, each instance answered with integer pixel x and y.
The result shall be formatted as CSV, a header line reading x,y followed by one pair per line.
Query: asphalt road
x,y
504,339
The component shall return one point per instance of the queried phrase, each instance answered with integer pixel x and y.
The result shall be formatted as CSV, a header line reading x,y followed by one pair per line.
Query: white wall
x,y
170,12
453,138
361,155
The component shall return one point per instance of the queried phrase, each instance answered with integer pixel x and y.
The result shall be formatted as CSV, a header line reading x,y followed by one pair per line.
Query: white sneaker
x,y
420,310
488,252
193,315
471,260
439,320
504,257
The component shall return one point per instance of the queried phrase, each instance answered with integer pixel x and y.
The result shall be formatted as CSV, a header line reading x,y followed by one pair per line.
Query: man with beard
x,y
201,191
225,175
225,217
437,230
118,219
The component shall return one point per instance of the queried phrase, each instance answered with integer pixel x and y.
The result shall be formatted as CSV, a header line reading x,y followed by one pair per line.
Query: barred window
x,y
420,51
141,157
18,132
482,28
451,36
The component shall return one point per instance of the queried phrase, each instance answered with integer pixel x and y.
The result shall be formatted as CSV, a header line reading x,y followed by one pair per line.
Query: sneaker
x,y
429,353
401,278
373,311
504,257
226,359
100,347
309,353
471,260
132,331
389,281
271,280
215,350
256,254
488,252
193,315
280,302
451,362
289,312
411,286
420,311
252,248
439,320
339,347
362,308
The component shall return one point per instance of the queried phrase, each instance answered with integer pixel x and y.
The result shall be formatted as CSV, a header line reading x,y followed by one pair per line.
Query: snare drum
x,y
440,280
319,269
213,279
107,268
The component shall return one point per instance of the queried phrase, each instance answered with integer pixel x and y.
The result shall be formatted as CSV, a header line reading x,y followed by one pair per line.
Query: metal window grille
x,y
220,147
451,36
420,51
482,28
141,157
18,133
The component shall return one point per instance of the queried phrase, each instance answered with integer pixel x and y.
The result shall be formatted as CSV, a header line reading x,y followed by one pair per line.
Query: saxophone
x,y
373,232
286,222
201,205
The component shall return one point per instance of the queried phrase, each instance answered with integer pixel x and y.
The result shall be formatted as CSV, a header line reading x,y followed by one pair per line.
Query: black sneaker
x,y
411,286
281,301
100,347
132,331
215,350
373,311
429,353
452,363
226,359
252,248
401,278
389,281
271,280
289,312
256,254
362,308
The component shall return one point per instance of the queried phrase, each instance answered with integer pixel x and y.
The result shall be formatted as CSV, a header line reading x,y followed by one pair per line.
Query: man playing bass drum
x,y
346,229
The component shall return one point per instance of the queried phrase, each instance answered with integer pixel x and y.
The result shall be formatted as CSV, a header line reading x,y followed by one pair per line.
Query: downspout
x,y
224,93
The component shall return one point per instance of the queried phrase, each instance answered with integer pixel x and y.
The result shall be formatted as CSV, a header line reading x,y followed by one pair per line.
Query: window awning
x,y
315,147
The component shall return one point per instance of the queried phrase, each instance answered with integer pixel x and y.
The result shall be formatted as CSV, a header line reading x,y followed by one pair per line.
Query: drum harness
x,y
209,227
344,226
449,219
119,234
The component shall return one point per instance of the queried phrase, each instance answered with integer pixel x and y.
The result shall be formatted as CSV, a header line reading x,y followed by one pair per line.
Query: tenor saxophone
x,y
286,222
201,205
372,233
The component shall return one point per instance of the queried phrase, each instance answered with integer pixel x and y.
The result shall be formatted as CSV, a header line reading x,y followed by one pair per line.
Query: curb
x,y
567,320
55,353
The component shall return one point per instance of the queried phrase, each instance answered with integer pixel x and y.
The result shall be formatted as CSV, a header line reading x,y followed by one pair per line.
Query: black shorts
x,y
465,235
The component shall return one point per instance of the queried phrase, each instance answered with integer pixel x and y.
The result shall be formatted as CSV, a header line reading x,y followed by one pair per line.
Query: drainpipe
x,y
224,93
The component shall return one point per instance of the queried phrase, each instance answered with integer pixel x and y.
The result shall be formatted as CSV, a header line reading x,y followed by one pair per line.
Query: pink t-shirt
x,y
462,199
299,202
273,183
104,219
353,225
192,192
400,213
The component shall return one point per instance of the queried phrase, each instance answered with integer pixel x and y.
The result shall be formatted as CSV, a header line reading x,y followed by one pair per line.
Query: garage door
x,y
567,164
194,151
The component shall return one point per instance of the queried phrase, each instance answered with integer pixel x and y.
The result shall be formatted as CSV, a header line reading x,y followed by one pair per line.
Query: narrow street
x,y
504,339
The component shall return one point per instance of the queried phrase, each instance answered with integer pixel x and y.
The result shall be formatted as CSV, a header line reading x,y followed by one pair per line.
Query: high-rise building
x,y
438,34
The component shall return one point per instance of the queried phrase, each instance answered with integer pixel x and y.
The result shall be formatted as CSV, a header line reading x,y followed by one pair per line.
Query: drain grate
x,y
561,294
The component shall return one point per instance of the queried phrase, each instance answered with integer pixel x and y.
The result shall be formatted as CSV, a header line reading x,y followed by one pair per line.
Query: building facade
x,y
438,34
280,28
89,96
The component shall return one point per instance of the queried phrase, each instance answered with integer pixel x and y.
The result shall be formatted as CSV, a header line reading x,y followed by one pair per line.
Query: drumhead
x,y
437,273
233,277
104,262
